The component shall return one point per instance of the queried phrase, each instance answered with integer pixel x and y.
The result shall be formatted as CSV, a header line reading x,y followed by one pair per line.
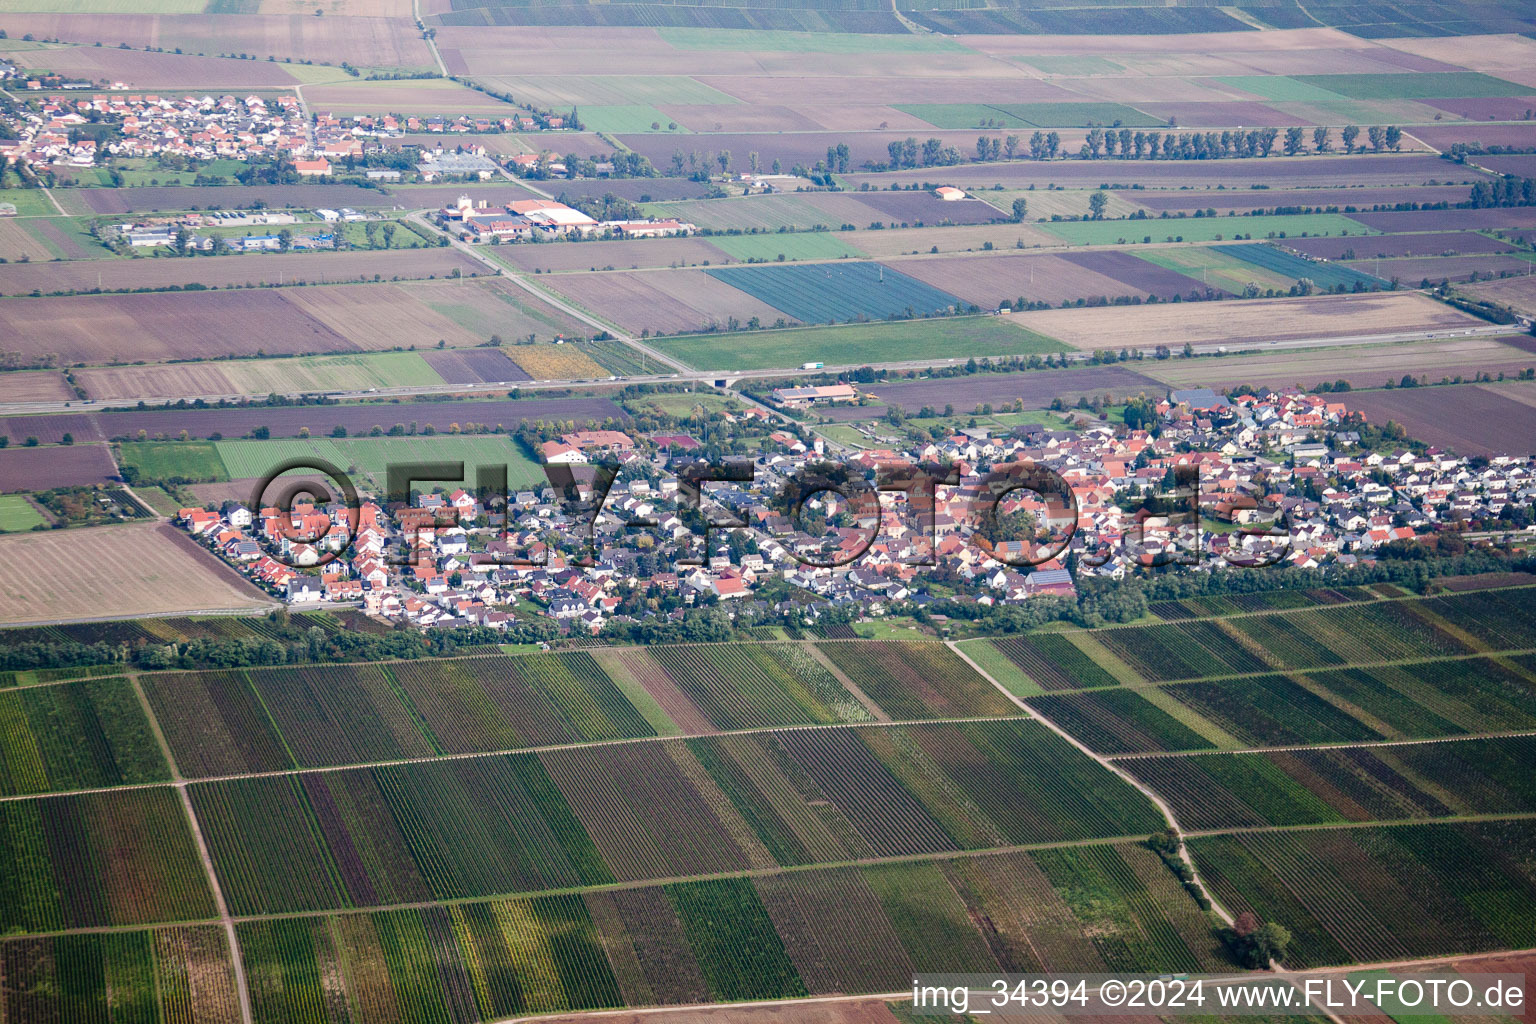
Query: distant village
x,y
1283,481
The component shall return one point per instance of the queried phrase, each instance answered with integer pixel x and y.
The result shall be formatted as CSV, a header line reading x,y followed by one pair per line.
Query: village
x,y
1282,481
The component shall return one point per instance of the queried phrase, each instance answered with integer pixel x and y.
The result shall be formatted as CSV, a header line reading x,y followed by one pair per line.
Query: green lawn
x,y
800,245
163,460
859,343
1202,229
17,514
752,40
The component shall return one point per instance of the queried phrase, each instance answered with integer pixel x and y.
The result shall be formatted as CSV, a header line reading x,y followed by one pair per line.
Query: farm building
x,y
800,398
948,193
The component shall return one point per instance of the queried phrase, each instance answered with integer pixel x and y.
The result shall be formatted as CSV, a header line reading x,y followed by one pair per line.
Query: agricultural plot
x,y
309,374
172,973
99,859
662,301
989,279
859,344
85,735
1372,894
1052,661
372,456
17,514
745,686
1204,229
1278,261
1215,269
1428,780
1119,722
799,245
107,570
913,681
1027,115
836,292
1418,85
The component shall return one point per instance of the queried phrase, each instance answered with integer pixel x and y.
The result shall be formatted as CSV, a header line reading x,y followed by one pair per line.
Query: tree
x,y
1037,146
1394,137
1095,141
1020,208
284,240
371,232
1052,144
1292,141
1350,134
753,161
1010,146
1378,136
1320,141
389,233
1096,204
183,236
723,158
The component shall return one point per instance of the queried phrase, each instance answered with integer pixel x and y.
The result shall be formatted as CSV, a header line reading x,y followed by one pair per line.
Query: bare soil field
x,y
1365,366
1226,200
15,242
380,316
1442,136
853,1011
162,326
35,386
1143,277
1244,322
423,98
1468,419
1036,388
1522,164
158,70
970,237
493,306
474,366
287,421
134,569
742,118
149,198
987,280
1335,247
663,300
634,189
632,254
1491,108
1515,292
39,469
360,41
222,271
1450,268
914,208
1277,172
1449,220
1219,114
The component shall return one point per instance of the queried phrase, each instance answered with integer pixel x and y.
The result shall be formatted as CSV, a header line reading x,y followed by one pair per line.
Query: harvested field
x,y
1468,419
1449,220
493,306
1493,108
970,238
989,279
1522,165
86,201
39,469
474,366
160,70
1518,293
556,362
927,208
381,316
423,97
1277,172
160,326
1036,388
1241,200
1244,323
631,254
1454,268
220,271
1145,278
286,422
1438,243
1443,136
1218,114
136,569
306,374
360,41
35,386
663,300
1365,366
771,212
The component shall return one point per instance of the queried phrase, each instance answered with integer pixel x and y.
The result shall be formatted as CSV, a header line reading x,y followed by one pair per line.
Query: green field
x,y
1414,85
1279,87
1074,64
749,41
1026,115
1213,268
166,460
1203,229
627,117
330,373
17,514
372,456
29,202
859,343
800,245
